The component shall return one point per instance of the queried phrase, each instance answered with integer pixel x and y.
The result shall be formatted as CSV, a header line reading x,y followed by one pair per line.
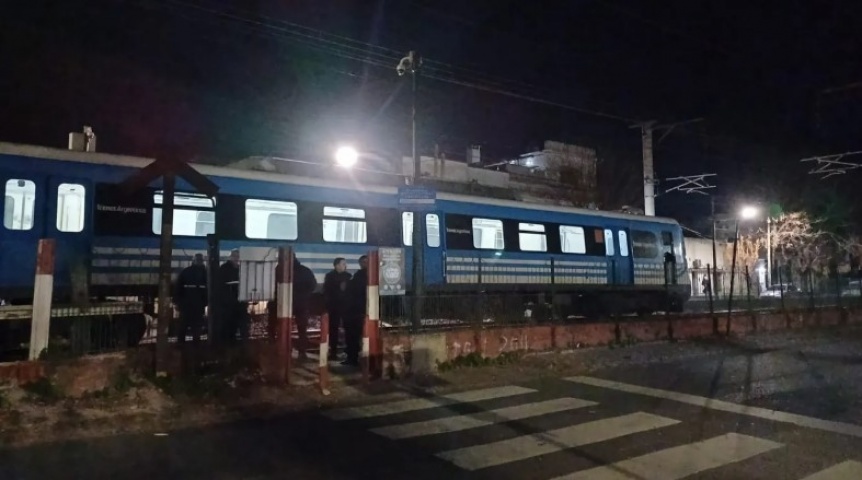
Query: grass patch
x,y
42,390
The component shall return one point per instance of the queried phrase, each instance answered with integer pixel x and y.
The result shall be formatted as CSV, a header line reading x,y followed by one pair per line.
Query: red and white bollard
x,y
284,311
43,291
371,354
323,364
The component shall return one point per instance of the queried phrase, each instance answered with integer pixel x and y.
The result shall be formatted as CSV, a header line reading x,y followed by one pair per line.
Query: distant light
x,y
346,156
747,213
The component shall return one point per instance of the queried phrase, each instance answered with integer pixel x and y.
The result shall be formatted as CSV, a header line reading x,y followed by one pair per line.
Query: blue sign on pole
x,y
413,197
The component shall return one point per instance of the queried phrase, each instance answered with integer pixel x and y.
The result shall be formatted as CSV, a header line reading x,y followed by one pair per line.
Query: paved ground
x,y
663,412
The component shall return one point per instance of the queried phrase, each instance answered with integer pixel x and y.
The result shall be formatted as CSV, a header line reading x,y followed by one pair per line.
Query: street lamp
x,y
748,212
346,156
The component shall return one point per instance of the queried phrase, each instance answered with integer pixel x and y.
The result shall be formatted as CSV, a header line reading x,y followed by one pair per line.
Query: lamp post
x,y
768,251
746,213
411,64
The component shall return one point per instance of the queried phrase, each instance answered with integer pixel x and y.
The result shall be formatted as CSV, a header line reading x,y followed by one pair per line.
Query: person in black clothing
x,y
354,318
234,314
304,284
335,298
190,296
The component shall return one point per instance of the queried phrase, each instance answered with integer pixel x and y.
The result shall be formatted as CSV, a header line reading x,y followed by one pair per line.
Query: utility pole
x,y
411,64
649,180
647,129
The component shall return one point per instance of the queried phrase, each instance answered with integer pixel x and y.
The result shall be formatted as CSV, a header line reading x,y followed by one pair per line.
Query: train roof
x,y
48,153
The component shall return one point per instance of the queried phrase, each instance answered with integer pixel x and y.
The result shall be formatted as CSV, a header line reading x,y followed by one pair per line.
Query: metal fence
x,y
454,310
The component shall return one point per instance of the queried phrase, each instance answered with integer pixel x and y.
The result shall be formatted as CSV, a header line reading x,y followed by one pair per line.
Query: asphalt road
x,y
774,407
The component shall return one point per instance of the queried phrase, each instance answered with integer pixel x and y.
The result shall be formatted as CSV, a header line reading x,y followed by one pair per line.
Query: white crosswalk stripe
x,y
483,419
414,404
673,463
849,470
528,446
680,462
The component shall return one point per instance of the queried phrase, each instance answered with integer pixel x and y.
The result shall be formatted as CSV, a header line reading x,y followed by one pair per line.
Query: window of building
x,y
488,234
270,220
346,225
19,204
432,229
197,220
572,239
71,207
624,243
531,237
609,242
644,244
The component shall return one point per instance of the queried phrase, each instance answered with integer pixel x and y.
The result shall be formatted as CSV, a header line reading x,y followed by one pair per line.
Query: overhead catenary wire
x,y
373,55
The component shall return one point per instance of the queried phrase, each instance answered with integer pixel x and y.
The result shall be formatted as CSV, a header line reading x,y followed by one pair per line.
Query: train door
x,y
69,221
611,256
433,257
625,266
23,226
433,250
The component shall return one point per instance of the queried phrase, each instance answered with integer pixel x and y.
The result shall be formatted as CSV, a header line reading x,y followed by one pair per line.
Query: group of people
x,y
344,298
191,298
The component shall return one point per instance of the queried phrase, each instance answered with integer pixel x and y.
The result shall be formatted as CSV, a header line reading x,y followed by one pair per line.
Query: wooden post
x,y
284,298
166,311
43,290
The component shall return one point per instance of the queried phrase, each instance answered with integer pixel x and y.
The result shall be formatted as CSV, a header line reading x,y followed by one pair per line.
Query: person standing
x,y
354,319
190,296
233,313
335,299
304,284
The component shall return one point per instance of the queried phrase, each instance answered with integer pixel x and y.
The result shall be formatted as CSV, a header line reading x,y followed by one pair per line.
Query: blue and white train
x,y
590,260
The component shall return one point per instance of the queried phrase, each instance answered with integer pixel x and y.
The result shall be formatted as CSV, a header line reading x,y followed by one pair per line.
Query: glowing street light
x,y
748,212
346,156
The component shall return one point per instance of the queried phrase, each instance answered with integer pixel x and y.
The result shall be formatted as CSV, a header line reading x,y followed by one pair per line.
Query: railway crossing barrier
x,y
372,348
284,298
43,289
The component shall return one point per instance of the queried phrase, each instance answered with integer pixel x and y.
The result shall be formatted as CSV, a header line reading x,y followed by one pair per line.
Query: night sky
x,y
220,80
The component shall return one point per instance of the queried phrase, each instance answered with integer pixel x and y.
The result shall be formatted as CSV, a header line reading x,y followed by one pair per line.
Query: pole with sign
x,y
417,199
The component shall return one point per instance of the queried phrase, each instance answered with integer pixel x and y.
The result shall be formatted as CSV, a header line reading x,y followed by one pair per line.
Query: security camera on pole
x,y
411,64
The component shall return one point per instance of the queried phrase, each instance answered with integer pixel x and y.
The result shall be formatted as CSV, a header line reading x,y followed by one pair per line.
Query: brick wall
x,y
401,349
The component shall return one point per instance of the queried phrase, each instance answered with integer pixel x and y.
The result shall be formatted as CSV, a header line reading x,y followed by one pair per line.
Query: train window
x,y
346,225
644,244
624,243
70,207
531,237
432,229
667,239
191,222
488,234
609,242
18,207
572,239
270,220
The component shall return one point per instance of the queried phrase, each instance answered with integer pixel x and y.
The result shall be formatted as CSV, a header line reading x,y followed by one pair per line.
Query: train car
x,y
108,241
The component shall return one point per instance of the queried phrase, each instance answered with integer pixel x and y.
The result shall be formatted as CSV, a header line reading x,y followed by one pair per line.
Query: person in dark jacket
x,y
354,318
304,284
335,299
190,296
234,314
